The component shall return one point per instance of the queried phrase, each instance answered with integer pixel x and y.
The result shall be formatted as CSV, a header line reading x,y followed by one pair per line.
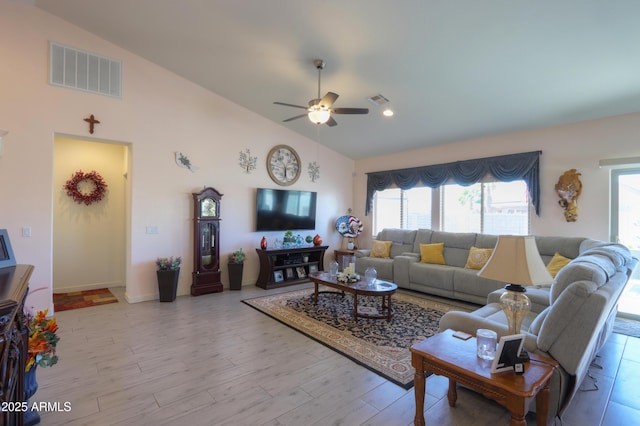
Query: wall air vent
x,y
76,69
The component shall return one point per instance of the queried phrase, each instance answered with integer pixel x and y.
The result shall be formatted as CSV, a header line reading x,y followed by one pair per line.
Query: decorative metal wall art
x,y
183,161
314,171
247,162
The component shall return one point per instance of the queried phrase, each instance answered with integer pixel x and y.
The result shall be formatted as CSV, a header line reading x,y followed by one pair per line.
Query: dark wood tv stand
x,y
287,263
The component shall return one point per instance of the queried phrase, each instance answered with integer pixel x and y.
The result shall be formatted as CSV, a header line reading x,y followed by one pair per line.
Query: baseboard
x,y
84,287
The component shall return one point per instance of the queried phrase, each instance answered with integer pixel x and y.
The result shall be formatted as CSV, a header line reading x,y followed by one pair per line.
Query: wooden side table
x,y
456,359
337,255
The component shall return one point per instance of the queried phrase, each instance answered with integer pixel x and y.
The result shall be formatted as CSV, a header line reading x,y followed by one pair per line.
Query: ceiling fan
x,y
319,110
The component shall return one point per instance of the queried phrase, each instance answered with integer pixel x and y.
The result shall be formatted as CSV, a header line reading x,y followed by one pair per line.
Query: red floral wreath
x,y
100,187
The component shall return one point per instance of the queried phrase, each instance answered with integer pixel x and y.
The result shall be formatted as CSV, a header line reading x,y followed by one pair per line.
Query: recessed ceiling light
x,y
387,113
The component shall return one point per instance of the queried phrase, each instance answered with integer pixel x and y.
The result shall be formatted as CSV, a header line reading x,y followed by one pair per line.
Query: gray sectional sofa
x,y
452,280
569,320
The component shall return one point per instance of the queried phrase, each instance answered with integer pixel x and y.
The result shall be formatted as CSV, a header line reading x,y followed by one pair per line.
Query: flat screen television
x,y
283,210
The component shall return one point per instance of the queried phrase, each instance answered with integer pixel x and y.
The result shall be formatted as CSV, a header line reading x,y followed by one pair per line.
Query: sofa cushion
x,y
566,246
478,257
380,248
556,263
432,275
384,267
432,253
456,246
486,241
584,268
423,236
467,281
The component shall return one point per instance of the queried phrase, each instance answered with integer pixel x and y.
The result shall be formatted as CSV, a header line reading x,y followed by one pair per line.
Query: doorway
x,y
625,229
89,241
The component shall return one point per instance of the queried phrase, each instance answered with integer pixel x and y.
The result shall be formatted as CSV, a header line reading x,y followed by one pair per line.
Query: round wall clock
x,y
283,165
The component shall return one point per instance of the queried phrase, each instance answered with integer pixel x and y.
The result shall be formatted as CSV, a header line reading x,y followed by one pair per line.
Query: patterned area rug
x,y
82,299
381,346
627,326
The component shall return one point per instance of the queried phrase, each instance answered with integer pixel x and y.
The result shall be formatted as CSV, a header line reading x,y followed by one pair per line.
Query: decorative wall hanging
x,y
283,165
247,162
349,227
569,189
86,188
314,171
183,161
92,121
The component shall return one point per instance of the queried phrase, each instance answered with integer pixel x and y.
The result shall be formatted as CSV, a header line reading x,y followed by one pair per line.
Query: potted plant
x,y
236,264
41,352
168,274
288,237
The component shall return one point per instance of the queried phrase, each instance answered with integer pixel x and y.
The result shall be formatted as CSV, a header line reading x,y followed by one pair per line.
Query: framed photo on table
x,y
508,353
313,268
6,252
301,272
290,274
277,276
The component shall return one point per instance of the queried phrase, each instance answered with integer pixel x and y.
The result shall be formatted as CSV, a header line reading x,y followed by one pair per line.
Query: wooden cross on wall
x,y
91,120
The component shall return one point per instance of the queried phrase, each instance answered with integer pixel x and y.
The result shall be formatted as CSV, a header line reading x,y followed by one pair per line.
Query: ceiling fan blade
x,y
328,99
350,110
331,122
294,118
291,105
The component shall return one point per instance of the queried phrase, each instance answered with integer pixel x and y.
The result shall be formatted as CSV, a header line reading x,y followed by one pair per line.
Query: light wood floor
x,y
211,360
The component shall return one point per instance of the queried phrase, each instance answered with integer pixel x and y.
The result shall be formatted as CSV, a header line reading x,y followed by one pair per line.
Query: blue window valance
x,y
505,168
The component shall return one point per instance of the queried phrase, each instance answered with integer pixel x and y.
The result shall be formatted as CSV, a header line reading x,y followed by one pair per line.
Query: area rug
x,y
380,346
627,327
82,299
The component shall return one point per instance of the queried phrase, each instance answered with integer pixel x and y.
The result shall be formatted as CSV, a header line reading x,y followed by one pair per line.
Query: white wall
x,y
89,241
159,113
579,146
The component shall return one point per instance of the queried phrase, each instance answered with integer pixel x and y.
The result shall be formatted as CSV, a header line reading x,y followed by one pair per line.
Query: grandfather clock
x,y
206,242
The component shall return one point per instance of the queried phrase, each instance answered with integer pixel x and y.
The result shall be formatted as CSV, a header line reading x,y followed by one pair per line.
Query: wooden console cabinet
x,y
283,267
14,335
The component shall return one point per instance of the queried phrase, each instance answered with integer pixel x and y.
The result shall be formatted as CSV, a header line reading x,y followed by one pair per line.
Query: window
x,y
488,208
407,209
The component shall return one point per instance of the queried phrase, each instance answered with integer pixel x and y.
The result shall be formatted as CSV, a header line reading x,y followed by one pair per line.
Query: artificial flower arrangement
x,y
348,275
168,263
42,340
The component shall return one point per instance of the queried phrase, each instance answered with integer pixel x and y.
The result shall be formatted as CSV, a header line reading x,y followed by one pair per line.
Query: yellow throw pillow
x,y
478,257
380,248
556,263
432,253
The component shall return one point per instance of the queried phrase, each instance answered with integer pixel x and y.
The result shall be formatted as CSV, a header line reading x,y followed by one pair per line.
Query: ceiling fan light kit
x,y
319,110
318,115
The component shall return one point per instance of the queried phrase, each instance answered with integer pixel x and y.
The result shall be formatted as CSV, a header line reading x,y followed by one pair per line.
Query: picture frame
x,y
278,277
290,274
508,353
313,268
301,272
7,257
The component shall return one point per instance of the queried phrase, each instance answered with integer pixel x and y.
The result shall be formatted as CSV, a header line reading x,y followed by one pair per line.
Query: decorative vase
x,y
370,275
168,284
263,243
235,276
317,240
30,388
350,245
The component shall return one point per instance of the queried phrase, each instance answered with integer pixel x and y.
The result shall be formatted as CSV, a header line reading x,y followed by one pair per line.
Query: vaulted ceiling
x,y
451,69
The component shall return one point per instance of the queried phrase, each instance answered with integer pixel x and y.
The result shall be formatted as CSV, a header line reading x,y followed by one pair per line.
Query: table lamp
x,y
516,261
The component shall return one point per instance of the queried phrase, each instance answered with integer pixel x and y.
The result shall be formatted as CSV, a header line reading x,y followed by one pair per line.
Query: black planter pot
x,y
168,284
30,387
235,276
